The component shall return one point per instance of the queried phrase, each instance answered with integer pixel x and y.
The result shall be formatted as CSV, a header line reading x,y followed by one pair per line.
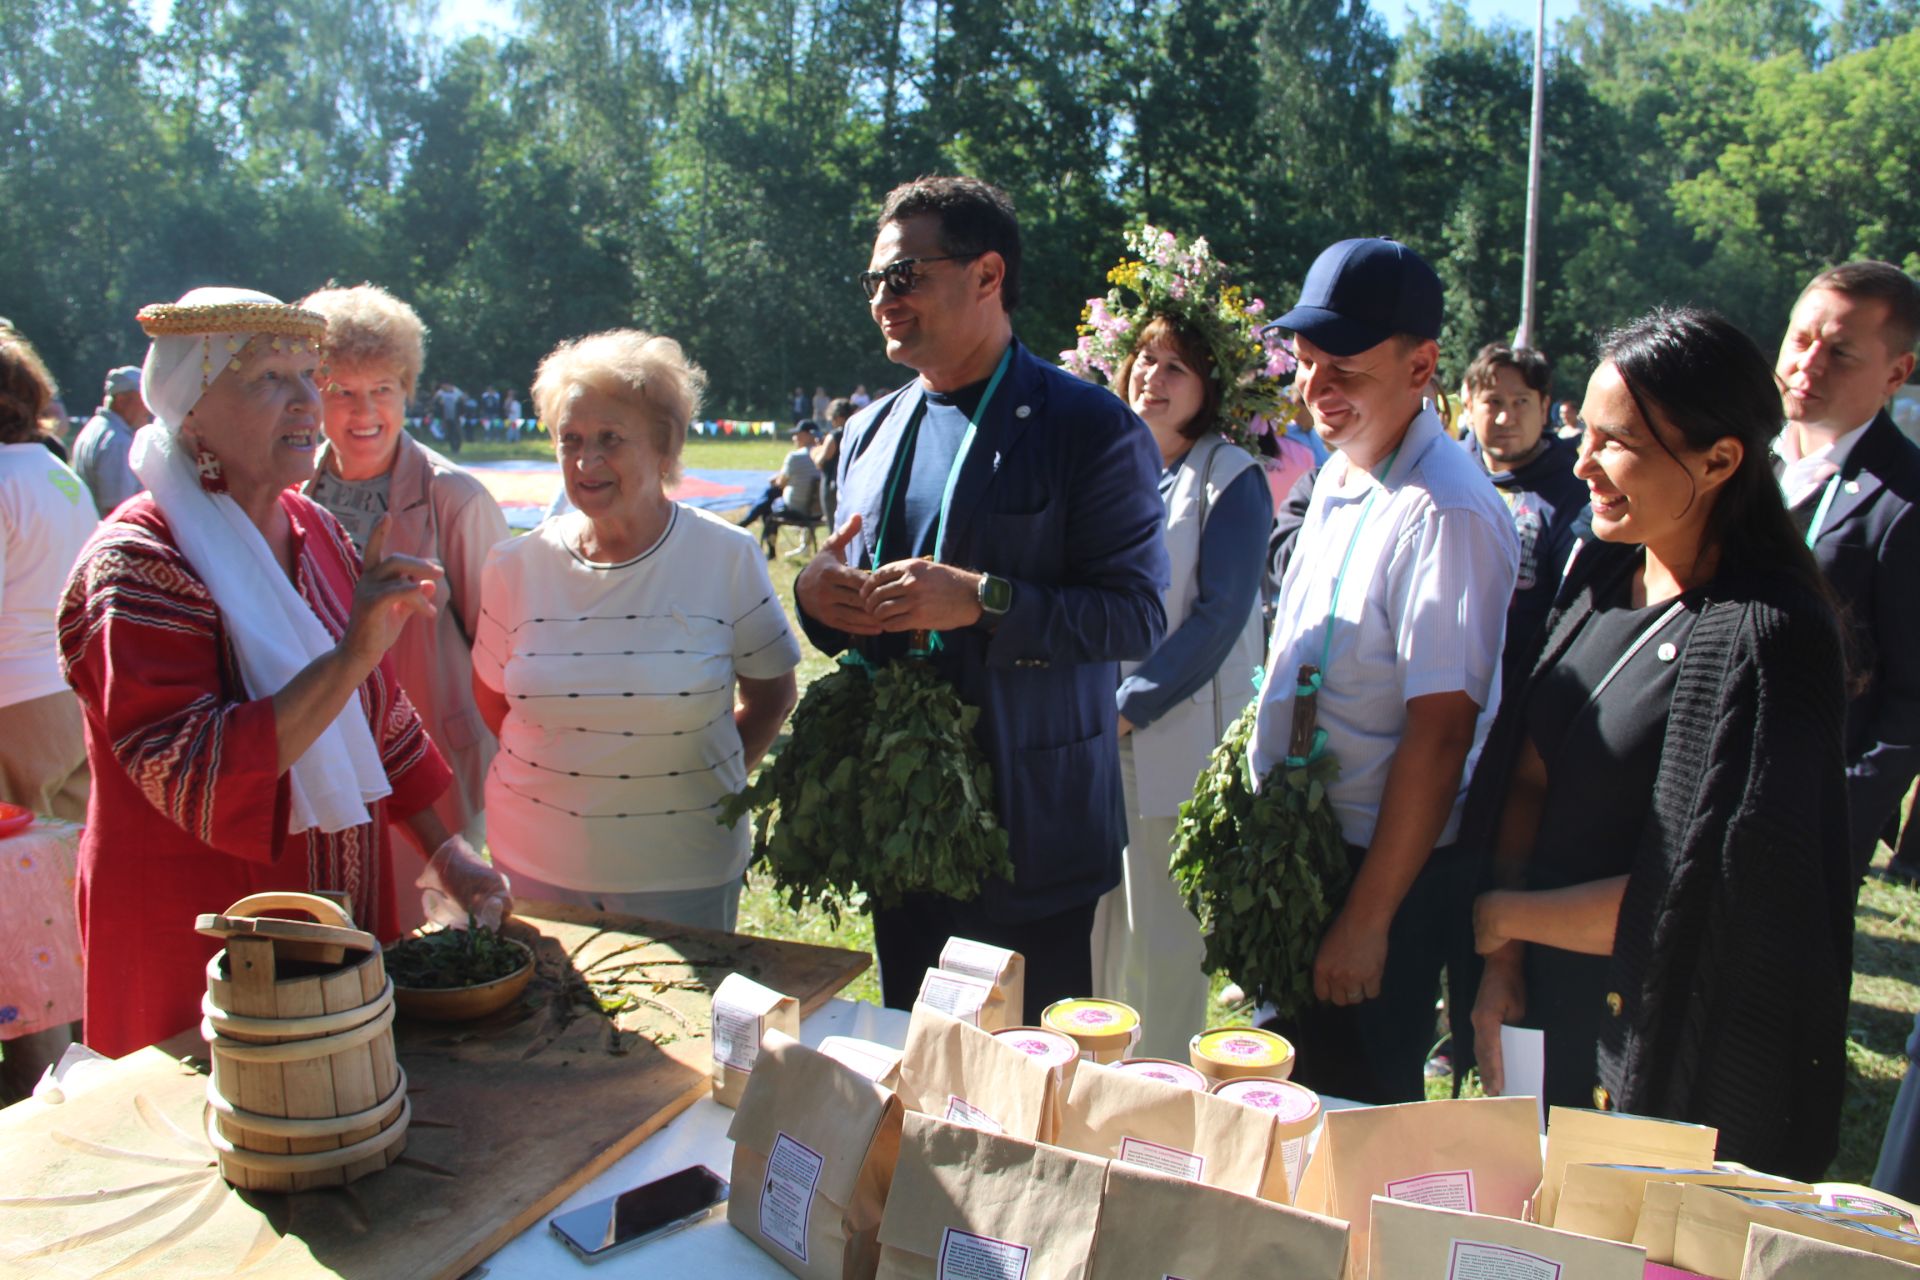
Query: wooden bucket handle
x,y
336,927
324,910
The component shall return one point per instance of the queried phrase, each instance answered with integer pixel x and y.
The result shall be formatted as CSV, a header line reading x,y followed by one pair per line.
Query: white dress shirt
x,y
1804,474
1423,610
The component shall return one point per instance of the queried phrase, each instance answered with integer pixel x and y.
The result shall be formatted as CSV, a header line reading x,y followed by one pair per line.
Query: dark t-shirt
x,y
1547,501
913,518
1602,756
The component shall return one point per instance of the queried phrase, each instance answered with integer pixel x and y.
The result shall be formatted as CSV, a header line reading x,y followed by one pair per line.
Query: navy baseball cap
x,y
1359,293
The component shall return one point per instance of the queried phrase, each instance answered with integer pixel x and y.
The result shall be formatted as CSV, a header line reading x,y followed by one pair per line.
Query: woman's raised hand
x,y
391,589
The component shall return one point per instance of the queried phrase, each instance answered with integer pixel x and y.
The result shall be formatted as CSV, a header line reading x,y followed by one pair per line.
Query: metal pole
x,y
1523,336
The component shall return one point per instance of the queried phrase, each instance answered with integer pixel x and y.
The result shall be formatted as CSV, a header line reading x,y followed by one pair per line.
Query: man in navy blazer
x,y
1852,481
1012,509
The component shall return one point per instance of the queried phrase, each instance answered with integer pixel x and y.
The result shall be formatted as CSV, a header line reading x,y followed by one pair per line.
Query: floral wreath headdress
x,y
1252,364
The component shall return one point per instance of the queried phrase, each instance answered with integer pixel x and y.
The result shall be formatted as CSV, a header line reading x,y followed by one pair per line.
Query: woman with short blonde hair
x,y
371,468
632,655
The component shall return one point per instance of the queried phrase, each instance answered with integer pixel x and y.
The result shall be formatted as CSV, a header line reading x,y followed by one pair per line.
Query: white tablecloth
x,y
710,1250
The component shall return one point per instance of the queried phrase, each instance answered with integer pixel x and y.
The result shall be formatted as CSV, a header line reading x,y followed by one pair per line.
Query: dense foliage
x,y
711,169
1264,871
880,791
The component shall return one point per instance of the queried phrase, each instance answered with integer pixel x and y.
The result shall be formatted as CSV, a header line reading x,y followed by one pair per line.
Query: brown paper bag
x,y
1006,970
814,1145
963,1074
743,1011
1575,1136
1419,1242
1481,1155
1604,1200
878,1062
1155,1125
958,996
1660,1207
1710,1232
1154,1225
971,1205
1773,1254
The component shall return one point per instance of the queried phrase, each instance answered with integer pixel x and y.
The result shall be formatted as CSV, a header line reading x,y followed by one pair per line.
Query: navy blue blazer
x,y
1059,495
1869,548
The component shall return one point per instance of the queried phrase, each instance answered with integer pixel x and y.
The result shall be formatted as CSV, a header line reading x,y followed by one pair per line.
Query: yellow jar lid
x,y
1242,1047
1093,1024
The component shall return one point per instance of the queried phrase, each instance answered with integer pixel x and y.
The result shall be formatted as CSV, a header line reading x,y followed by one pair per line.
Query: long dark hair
x,y
1707,380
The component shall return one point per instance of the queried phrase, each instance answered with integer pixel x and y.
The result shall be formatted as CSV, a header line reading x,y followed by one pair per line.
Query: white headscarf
x,y
275,632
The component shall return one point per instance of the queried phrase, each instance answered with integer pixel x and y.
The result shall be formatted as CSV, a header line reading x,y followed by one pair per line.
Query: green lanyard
x,y
905,451
1820,512
1318,680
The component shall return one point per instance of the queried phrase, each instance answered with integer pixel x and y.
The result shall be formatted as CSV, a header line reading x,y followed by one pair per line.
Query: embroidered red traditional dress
x,y
188,811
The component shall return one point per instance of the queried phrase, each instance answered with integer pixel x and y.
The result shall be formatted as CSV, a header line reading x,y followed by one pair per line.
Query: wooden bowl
x,y
465,1004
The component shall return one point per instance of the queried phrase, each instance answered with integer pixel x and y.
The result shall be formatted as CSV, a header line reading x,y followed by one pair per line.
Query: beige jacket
x,y
442,513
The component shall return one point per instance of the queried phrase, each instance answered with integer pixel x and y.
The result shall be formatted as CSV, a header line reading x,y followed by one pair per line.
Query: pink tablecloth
x,y
39,936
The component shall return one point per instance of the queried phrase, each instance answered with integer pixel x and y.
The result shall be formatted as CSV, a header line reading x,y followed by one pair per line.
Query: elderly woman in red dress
x,y
229,650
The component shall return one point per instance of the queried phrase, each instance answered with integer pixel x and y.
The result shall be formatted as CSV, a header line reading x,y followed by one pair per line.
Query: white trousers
x,y
1147,948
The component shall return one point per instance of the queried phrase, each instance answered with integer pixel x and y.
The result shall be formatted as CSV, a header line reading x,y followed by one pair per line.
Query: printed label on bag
x,y
1452,1190
1472,1260
955,995
975,959
965,1256
736,1037
786,1202
1162,1159
960,1111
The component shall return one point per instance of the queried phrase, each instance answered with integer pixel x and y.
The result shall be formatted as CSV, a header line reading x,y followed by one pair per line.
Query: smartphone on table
x,y
659,1208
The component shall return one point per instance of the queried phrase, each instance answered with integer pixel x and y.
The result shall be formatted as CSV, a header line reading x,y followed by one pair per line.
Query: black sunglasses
x,y
899,277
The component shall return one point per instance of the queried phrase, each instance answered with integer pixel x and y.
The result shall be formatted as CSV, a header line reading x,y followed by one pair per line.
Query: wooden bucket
x,y
306,1090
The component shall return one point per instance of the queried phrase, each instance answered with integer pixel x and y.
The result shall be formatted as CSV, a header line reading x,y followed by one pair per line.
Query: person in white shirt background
x,y
46,516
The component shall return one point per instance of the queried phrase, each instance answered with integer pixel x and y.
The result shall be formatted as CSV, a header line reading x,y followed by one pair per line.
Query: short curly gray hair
x,y
644,370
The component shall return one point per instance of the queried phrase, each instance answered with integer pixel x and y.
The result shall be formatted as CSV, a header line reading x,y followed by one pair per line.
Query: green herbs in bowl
x,y
456,975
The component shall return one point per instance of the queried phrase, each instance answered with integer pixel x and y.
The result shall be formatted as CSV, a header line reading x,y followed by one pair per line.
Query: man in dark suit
x,y
1852,481
1012,509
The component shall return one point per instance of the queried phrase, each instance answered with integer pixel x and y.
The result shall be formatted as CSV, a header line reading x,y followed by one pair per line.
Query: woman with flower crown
x,y
1189,360
228,647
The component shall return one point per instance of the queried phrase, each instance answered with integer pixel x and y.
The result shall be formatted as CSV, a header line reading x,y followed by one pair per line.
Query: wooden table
x,y
510,1115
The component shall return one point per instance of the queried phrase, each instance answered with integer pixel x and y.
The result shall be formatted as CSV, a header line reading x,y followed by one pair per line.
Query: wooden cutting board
x,y
510,1116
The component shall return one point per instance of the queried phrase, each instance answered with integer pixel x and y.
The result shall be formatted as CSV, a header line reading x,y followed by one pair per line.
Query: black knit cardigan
x,y
1733,955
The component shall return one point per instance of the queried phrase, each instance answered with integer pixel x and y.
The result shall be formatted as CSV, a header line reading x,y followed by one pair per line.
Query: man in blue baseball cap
x,y
1397,594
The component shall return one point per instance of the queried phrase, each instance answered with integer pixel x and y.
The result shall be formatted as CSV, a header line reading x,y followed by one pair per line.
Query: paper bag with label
x,y
1605,1199
1575,1136
1161,1126
814,1145
1902,1215
1155,1225
1773,1254
1660,1206
743,1011
1420,1242
1710,1232
1480,1155
961,1073
878,1062
1005,971
972,1205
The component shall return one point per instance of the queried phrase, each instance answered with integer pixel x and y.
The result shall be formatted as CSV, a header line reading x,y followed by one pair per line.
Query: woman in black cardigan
x,y
1665,794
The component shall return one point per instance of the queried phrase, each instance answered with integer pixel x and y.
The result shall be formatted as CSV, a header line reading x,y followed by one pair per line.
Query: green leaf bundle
x,y
881,791
1264,871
